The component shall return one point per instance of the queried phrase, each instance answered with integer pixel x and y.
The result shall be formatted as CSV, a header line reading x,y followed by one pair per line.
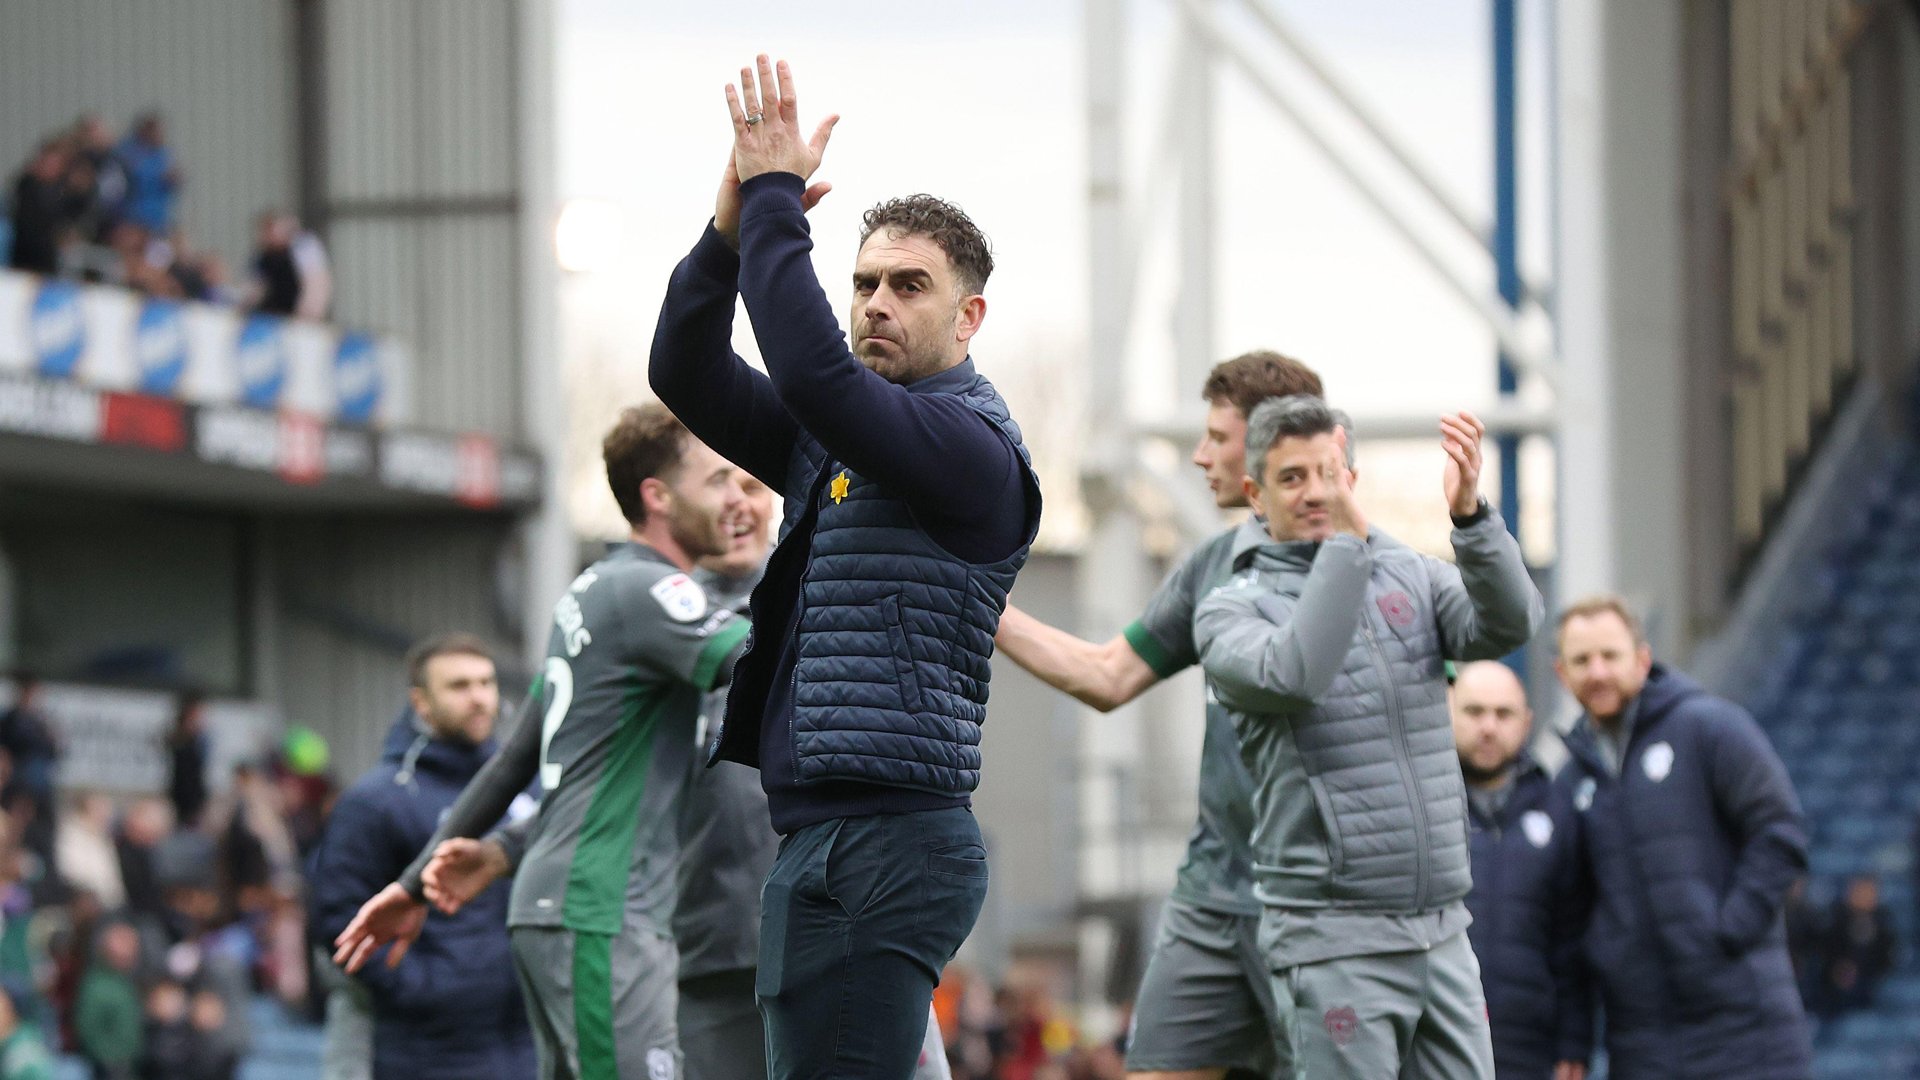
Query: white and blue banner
x,y
160,346
109,338
16,322
108,359
356,378
260,359
58,328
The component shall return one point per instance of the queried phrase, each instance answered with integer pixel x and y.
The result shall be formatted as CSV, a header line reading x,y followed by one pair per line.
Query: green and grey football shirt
x,y
635,644
727,842
1217,874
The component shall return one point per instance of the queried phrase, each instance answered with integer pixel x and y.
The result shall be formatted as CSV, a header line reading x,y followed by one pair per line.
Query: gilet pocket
x,y
1336,855
890,611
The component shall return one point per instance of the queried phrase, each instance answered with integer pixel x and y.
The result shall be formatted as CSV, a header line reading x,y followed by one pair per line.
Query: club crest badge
x,y
1342,1024
1657,761
1583,795
1538,827
1397,608
682,597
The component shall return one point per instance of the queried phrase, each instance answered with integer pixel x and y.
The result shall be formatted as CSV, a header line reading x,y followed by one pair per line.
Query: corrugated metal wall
x,y
415,577
1792,206
422,194
412,169
220,70
419,191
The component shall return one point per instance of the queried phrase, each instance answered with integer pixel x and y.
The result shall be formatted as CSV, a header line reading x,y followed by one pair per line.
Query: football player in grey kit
x,y
1205,1007
634,646
727,846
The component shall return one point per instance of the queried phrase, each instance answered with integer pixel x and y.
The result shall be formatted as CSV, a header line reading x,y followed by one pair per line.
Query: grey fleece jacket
x,y
1330,657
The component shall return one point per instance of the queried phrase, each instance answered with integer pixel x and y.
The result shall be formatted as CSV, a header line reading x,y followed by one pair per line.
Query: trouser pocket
x,y
796,911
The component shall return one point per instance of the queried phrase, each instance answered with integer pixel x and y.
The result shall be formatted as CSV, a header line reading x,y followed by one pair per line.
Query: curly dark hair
x,y
943,223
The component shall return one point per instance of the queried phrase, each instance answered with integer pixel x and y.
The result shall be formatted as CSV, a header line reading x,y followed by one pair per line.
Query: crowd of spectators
x,y
136,929
91,208
1019,1031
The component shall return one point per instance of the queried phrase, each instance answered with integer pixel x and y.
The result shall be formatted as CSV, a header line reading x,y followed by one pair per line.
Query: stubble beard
x,y
1476,775
910,367
699,534
913,364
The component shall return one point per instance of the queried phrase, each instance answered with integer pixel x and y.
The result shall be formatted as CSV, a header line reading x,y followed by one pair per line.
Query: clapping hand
x,y
1342,508
771,143
1460,436
766,125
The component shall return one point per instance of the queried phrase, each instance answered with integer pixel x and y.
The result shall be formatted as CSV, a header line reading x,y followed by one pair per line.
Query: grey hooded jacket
x,y
1330,657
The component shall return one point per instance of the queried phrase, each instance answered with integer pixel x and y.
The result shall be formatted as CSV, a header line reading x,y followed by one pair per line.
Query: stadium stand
x,y
1840,704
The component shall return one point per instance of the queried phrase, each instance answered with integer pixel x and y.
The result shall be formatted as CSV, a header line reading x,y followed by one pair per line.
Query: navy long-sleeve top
x,y
960,475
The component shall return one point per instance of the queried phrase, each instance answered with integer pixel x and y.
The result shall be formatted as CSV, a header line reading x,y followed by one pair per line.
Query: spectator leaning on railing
x,y
39,211
87,209
153,179
290,274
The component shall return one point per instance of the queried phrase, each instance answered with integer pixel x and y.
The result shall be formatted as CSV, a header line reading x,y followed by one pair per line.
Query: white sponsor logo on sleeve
x,y
681,597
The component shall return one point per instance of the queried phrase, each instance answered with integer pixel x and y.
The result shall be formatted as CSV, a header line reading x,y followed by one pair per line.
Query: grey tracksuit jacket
x,y
1330,657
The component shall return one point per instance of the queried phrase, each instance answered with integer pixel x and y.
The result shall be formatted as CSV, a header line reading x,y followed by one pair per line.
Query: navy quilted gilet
x,y
894,635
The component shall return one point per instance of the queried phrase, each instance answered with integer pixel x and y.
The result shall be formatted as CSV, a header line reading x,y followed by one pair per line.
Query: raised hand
x,y
1342,507
391,915
460,870
1460,436
766,126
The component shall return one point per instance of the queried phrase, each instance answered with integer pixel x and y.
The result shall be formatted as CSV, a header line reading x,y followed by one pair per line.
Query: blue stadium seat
x,y
1842,706
1843,1062
283,1047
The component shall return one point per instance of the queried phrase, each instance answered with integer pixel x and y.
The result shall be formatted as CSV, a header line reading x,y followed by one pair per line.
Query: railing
x,y
1791,202
111,338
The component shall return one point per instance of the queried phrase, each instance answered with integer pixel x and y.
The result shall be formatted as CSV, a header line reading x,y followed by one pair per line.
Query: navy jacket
x,y
452,1009
1689,855
909,509
1525,906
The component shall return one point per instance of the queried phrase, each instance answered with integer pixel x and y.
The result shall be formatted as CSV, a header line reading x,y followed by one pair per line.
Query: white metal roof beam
x,y
1501,419
1529,355
1307,57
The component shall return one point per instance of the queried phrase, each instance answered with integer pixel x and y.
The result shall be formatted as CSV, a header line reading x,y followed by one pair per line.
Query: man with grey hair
x,y
1205,1008
1328,649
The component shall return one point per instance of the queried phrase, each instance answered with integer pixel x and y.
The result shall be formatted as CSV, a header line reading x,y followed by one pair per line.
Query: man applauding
x,y
910,506
1329,651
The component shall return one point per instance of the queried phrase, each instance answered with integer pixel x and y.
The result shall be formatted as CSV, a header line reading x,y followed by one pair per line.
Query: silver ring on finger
x,y
753,119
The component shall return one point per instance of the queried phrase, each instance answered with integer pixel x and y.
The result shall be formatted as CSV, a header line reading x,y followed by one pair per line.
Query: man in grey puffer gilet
x,y
1329,649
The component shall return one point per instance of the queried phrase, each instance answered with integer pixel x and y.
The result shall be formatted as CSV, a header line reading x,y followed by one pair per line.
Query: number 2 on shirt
x,y
558,677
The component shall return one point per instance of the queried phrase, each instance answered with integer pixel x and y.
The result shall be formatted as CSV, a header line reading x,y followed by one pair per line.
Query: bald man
x,y
1526,913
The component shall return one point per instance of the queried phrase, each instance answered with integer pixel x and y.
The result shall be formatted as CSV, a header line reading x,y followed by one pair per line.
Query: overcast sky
x,y
982,102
